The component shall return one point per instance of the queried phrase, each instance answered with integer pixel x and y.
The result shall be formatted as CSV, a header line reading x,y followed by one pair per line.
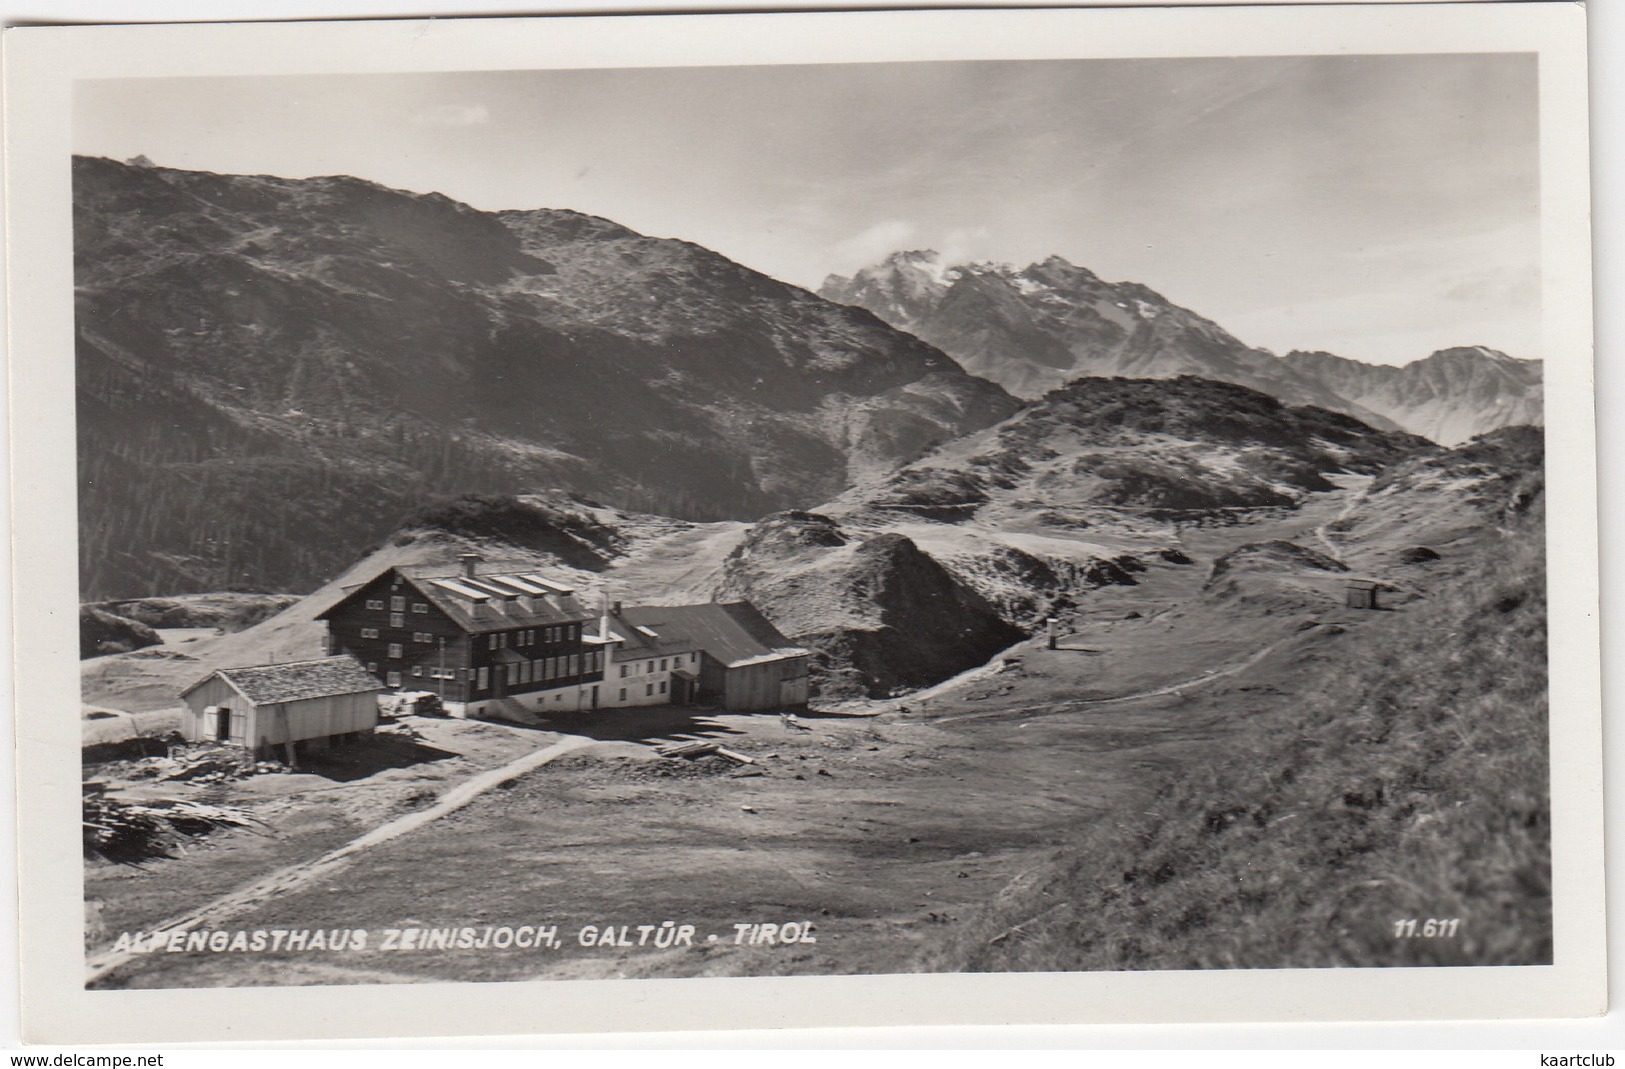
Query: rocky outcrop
x,y
885,616
101,632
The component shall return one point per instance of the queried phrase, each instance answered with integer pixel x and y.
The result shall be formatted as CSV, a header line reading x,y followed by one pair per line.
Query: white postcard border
x,y
41,65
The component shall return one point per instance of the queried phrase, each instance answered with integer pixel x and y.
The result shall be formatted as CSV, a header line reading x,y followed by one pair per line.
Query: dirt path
x,y
104,961
1209,676
1353,495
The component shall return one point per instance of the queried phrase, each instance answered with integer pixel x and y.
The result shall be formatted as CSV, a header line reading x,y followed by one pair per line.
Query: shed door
x,y
239,726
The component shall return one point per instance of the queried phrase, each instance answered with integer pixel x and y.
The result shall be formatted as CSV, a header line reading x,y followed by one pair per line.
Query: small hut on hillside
x,y
270,705
1360,594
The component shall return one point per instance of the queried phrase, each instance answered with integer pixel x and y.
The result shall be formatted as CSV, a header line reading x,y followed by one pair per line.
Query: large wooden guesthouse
x,y
475,634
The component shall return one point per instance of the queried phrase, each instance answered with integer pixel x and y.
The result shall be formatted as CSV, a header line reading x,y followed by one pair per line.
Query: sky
x,y
1378,207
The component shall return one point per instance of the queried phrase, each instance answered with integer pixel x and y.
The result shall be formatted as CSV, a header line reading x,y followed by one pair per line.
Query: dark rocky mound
x,y
929,626
1166,448
934,493
1205,410
785,532
101,632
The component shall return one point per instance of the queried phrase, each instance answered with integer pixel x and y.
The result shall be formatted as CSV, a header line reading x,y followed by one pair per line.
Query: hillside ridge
x,y
286,367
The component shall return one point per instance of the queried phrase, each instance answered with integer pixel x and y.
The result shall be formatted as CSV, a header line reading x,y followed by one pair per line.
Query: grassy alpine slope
x,y
1408,778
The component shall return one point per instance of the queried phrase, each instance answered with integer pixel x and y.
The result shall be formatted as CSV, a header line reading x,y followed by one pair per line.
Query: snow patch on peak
x,y
923,261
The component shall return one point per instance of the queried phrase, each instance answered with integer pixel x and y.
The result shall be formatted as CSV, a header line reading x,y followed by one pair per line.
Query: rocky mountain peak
x,y
1477,354
1449,396
1058,270
1036,329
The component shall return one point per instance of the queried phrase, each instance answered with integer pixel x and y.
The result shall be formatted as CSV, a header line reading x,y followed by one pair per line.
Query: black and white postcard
x,y
657,522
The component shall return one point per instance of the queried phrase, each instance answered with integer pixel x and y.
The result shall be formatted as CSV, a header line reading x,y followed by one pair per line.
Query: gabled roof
x,y
734,633
500,596
272,684
636,641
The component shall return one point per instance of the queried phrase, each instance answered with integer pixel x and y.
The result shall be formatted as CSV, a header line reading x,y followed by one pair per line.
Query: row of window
x,y
549,635
397,604
648,690
394,678
649,666
496,641
544,670
417,636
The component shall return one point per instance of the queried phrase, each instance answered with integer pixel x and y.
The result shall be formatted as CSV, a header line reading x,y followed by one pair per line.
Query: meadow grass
x,y
1407,778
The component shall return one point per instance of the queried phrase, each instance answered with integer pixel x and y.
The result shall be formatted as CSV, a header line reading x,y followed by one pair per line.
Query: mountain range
x,y
1451,396
1036,328
273,373
276,374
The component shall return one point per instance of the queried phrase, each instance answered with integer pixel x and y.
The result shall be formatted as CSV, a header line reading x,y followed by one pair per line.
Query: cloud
x,y
963,245
1496,287
870,246
454,115
875,243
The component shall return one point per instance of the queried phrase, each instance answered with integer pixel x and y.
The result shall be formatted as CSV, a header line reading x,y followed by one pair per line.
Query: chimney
x,y
470,561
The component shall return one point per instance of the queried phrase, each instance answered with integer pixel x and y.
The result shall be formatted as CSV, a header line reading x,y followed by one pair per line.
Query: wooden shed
x,y
278,705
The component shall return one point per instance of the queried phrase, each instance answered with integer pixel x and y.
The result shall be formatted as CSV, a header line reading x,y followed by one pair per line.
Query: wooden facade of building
x,y
496,639
276,705
474,634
